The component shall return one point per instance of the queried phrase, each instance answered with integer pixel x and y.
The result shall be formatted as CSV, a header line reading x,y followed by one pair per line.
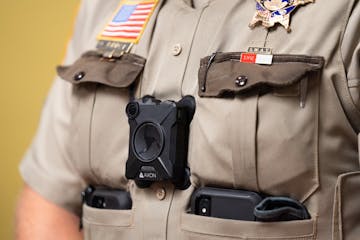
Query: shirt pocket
x,y
346,219
112,223
102,88
208,228
256,126
107,223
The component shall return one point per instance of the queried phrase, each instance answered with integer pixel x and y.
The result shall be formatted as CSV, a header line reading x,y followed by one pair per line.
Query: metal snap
x,y
241,81
160,193
176,49
78,76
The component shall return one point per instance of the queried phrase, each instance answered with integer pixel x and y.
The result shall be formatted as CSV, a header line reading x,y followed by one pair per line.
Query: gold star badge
x,y
270,12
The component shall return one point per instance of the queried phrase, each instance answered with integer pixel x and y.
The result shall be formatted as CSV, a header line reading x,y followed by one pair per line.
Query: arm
x,y
37,218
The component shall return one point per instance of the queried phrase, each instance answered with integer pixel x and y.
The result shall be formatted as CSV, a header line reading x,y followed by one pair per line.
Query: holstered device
x,y
246,205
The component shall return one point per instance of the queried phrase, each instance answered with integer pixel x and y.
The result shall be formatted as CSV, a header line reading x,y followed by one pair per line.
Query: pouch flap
x,y
226,74
92,67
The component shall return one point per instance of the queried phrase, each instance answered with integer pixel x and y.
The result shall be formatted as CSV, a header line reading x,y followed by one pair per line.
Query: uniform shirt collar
x,y
192,3
188,2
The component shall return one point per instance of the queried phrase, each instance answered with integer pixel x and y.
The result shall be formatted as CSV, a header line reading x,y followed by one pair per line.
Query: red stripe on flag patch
x,y
129,21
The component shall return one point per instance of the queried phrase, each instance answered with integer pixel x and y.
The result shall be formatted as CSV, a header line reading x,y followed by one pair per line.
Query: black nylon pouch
x,y
273,209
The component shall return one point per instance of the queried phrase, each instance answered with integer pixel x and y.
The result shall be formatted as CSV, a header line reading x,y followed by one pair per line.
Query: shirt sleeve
x,y
47,166
350,49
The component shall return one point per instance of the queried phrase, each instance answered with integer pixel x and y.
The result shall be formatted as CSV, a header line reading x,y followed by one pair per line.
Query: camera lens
x,y
148,142
99,202
204,207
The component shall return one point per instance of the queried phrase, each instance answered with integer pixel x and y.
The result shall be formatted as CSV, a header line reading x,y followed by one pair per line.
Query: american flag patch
x,y
129,21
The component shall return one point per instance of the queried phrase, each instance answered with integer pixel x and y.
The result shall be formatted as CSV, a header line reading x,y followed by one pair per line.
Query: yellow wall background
x,y
33,37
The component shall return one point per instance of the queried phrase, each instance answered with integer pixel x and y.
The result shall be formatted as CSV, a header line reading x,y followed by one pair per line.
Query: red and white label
x,y
256,58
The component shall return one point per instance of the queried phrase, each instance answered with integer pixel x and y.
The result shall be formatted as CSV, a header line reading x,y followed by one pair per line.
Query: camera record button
x,y
161,193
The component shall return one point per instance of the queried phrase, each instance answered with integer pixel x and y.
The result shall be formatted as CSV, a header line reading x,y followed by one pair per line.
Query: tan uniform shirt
x,y
262,141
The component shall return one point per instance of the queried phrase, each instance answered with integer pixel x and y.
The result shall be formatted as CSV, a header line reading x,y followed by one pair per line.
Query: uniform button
x,y
241,81
176,49
79,76
161,193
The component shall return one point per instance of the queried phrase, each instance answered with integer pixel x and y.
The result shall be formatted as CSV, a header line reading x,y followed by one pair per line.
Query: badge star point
x,y
271,12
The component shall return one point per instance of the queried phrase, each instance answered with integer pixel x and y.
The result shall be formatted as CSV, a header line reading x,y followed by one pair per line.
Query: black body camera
x,y
159,132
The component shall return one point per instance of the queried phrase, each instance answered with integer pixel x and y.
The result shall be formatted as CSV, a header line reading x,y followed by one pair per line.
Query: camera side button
x,y
161,193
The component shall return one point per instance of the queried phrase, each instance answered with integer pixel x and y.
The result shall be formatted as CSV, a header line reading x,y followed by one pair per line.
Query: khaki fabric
x,y
346,212
349,95
284,133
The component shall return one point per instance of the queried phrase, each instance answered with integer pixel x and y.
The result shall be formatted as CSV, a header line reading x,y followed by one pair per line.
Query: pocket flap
x,y
224,73
92,67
